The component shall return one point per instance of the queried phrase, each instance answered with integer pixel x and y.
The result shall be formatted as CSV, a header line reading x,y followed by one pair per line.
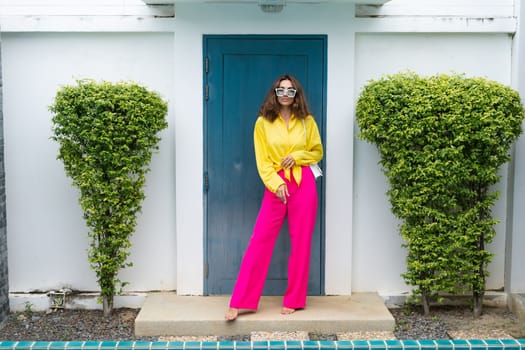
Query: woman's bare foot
x,y
231,314
287,310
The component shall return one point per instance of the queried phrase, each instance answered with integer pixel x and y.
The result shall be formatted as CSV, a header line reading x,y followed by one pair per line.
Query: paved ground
x,y
453,322
168,313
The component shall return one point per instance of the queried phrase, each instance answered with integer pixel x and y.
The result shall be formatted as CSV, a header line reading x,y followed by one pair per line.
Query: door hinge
x,y
206,64
206,92
206,270
206,182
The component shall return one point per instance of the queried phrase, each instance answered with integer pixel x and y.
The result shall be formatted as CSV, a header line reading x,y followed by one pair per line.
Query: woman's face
x,y
285,100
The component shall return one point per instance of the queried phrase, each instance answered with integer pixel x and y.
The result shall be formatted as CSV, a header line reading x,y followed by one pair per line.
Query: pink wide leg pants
x,y
301,209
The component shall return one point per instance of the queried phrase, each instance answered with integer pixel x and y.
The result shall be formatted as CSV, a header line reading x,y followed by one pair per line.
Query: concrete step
x,y
167,314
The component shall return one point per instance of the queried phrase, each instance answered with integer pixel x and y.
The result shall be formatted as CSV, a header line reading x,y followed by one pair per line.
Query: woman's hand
x,y
282,193
287,162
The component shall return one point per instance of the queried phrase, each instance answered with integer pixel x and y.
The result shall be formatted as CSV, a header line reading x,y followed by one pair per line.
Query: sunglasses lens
x,y
291,92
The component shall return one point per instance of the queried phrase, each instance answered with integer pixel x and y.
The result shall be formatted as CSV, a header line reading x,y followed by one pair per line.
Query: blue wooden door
x,y
237,75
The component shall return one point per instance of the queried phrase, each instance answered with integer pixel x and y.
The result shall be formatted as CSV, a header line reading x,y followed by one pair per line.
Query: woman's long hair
x,y
271,107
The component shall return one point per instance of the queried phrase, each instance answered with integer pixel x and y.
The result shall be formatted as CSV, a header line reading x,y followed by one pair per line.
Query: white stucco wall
x,y
515,247
427,54
46,233
195,20
356,248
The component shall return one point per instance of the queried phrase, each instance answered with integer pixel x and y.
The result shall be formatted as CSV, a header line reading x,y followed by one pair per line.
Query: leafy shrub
x,y
442,140
107,133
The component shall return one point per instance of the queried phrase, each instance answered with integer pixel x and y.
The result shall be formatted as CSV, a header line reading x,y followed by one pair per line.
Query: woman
x,y
287,141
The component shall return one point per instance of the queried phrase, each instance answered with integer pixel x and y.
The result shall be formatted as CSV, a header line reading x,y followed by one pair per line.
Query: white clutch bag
x,y
316,170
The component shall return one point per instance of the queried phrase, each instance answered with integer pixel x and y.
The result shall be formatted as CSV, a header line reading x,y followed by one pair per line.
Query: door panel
x,y
238,73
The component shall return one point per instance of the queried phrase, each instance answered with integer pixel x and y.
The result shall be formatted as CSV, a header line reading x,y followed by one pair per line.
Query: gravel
x,y
64,325
84,325
457,322
414,325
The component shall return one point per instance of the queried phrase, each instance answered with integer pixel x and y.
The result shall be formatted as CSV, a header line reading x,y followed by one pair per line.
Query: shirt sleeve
x,y
313,152
265,166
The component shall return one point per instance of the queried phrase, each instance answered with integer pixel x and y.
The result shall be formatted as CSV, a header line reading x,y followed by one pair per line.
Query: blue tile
x,y
40,345
260,345
377,344
276,345
521,342
178,345
158,345
310,345
125,345
56,345
192,345
410,344
393,344
243,345
91,345
444,344
460,344
511,344
4,345
74,345
360,345
493,343
477,344
209,345
428,344
226,345
24,345
108,345
142,345
327,345
345,345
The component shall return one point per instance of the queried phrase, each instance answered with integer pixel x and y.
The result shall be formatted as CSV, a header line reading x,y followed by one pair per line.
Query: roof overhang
x,y
267,2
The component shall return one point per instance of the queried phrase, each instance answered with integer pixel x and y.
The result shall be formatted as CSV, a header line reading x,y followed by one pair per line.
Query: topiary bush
x,y
442,140
106,134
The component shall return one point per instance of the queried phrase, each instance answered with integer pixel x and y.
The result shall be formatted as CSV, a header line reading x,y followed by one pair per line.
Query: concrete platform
x,y
165,314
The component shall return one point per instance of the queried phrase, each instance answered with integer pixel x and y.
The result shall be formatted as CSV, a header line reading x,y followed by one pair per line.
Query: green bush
x,y
442,140
106,134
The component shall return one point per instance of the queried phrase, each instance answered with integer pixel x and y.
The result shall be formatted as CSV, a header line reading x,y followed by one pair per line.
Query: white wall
x,y
516,258
427,54
46,233
193,21
359,247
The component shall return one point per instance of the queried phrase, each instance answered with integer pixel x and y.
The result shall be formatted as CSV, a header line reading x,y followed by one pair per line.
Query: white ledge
x,y
445,8
396,24
85,24
88,10
436,25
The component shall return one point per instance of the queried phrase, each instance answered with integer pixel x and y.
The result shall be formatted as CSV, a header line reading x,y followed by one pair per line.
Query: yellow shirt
x,y
273,141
